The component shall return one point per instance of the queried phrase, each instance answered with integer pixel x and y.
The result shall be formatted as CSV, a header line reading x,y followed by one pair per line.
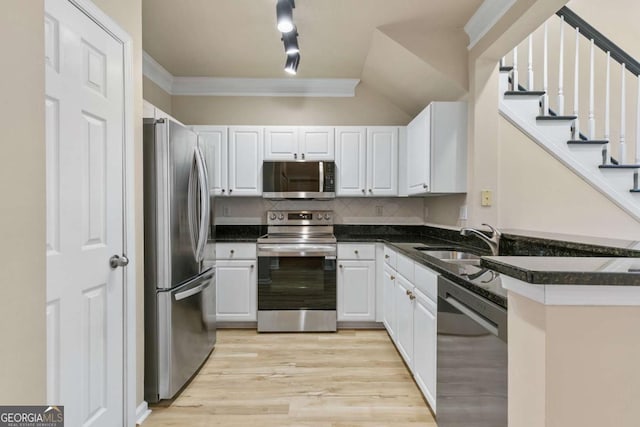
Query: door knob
x,y
118,261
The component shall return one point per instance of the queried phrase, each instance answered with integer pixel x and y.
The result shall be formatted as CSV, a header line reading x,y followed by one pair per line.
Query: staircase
x,y
584,140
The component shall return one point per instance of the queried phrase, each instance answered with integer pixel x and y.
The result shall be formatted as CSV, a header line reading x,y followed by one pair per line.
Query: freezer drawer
x,y
185,334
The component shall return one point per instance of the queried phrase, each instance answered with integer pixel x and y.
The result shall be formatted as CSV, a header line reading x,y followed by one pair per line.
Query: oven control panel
x,y
315,217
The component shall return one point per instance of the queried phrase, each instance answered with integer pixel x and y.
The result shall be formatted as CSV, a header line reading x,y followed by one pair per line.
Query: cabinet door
x,y
419,153
350,161
245,161
424,346
388,306
356,291
281,143
212,140
317,143
382,161
236,290
404,319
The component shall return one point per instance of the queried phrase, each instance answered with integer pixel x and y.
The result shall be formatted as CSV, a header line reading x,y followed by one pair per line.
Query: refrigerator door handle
x,y
191,207
192,291
203,182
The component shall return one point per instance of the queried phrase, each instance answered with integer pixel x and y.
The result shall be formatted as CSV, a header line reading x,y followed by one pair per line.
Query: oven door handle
x,y
327,251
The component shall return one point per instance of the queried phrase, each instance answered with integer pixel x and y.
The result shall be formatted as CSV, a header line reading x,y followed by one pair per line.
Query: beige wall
x,y
366,108
573,365
156,95
128,14
22,185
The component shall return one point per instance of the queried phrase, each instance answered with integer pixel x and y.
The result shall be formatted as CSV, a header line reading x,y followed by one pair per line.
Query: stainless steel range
x,y
297,272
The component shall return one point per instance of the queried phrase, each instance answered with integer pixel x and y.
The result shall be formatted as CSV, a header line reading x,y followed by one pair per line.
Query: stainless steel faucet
x,y
493,241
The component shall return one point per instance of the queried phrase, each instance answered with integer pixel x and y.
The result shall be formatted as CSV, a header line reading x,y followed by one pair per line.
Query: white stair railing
x,y
595,107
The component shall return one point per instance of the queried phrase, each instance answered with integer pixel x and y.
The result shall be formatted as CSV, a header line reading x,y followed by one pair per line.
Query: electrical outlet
x,y
378,210
487,198
463,213
226,211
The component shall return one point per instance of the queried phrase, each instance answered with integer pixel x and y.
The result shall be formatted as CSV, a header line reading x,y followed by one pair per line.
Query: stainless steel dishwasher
x,y
471,387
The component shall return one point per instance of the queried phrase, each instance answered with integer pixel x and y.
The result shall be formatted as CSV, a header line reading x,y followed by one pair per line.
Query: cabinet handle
x,y
230,190
425,186
355,252
231,251
302,156
370,191
392,277
340,265
386,257
295,155
412,297
223,191
251,265
363,190
408,292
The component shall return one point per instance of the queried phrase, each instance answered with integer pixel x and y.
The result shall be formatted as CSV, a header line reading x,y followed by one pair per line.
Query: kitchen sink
x,y
453,256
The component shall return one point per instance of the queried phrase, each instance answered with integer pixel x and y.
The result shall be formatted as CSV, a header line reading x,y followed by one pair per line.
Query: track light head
x,y
284,15
290,41
291,66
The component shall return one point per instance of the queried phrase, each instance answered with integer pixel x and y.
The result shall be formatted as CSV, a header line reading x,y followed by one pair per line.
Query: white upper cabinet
x,y
245,160
351,161
299,143
382,161
436,159
367,161
212,141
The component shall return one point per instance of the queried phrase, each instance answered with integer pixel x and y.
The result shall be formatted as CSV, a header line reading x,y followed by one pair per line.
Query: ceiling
x,y
338,39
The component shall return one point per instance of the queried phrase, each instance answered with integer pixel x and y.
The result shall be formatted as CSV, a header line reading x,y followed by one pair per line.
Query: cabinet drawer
x,y
390,257
427,281
357,251
405,267
235,251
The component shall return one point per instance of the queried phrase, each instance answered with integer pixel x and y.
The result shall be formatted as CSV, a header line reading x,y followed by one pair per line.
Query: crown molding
x,y
489,12
155,72
226,86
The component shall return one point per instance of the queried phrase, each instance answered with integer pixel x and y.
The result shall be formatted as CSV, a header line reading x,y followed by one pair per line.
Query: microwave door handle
x,y
321,171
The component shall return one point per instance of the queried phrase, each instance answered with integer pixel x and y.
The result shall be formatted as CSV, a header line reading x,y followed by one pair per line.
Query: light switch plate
x,y
487,198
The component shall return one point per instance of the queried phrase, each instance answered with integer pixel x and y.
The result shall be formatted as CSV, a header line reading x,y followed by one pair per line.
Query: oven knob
x,y
327,216
281,216
272,216
319,216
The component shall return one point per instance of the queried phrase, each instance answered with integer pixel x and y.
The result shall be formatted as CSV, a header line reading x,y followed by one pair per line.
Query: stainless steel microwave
x,y
298,180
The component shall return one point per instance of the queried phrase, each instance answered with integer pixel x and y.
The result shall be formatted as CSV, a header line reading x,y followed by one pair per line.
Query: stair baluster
x,y
592,115
576,89
530,64
514,77
561,70
607,112
545,73
622,153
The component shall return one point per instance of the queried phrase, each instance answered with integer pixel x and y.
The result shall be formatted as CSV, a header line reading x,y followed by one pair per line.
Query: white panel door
x,y
388,305
424,346
317,143
404,319
419,153
245,161
356,291
351,161
212,140
236,290
281,143
382,161
84,162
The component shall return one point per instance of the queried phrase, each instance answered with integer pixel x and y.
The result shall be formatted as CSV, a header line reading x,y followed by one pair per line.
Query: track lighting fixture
x,y
291,66
284,14
290,41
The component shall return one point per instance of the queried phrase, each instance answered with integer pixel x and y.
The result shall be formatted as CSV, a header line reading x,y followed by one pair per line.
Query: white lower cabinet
x,y
236,282
356,282
410,317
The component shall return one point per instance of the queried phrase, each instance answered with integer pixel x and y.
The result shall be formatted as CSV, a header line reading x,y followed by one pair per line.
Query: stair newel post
x,y
622,155
530,64
545,73
561,70
592,116
514,77
576,88
607,111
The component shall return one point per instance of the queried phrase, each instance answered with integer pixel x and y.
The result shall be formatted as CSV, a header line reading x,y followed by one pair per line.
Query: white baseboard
x,y
142,412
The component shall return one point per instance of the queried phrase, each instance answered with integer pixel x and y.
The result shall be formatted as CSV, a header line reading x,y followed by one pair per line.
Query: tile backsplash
x,y
366,210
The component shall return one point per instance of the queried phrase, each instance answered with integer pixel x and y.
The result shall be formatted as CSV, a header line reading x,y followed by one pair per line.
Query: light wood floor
x,y
346,379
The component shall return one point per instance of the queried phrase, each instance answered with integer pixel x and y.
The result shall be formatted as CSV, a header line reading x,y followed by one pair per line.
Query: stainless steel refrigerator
x,y
179,291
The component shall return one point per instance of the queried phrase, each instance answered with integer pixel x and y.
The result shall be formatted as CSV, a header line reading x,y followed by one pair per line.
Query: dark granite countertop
x,y
604,271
